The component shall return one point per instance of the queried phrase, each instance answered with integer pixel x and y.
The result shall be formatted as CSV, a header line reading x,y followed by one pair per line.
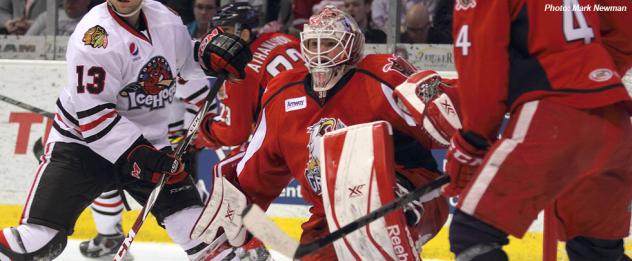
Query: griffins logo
x,y
154,87
400,65
316,131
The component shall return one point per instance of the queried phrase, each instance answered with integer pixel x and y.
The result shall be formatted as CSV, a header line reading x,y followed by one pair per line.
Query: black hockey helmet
x,y
241,14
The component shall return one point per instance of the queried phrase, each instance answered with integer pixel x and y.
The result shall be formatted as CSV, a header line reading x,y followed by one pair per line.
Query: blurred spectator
x,y
380,10
203,11
302,9
16,16
319,7
360,10
419,29
184,8
68,17
441,30
417,25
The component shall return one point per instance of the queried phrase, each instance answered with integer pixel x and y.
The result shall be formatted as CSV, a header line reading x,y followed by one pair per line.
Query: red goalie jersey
x,y
293,117
529,46
272,53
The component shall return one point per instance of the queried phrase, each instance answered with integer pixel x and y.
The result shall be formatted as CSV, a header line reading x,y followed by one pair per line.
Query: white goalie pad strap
x,y
357,172
441,120
627,81
223,209
409,101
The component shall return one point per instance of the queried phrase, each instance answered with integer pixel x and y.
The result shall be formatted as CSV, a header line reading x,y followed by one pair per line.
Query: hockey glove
x,y
464,158
413,210
219,52
147,163
432,103
204,138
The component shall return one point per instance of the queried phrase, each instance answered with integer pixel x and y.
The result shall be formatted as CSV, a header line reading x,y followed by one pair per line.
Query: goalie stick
x,y
262,227
180,150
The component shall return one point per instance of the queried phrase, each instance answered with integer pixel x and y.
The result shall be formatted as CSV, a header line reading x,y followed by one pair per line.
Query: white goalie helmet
x,y
331,43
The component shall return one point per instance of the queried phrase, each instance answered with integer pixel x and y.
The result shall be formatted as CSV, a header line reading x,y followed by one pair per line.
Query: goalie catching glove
x,y
432,102
223,53
222,213
145,162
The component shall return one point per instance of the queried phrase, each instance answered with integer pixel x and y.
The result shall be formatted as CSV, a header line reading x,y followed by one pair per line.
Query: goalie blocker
x,y
358,169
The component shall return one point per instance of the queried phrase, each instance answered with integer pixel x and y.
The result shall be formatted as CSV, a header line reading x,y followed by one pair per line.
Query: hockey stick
x,y
262,227
180,150
27,107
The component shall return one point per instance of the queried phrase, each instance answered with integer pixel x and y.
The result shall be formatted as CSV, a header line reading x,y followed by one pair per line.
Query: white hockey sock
x,y
31,237
106,211
180,224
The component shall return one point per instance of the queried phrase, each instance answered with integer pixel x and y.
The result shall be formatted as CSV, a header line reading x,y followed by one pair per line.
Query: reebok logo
x,y
295,104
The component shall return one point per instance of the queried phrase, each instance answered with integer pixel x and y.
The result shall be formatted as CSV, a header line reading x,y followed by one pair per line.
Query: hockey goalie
x,y
341,92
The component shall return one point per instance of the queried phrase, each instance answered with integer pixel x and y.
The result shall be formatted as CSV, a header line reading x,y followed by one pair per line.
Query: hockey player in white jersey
x,y
110,128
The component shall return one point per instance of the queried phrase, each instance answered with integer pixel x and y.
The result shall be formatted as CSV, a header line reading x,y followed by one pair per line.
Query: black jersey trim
x,y
109,195
377,78
66,114
95,110
105,131
307,84
64,132
599,89
192,111
176,124
107,213
197,94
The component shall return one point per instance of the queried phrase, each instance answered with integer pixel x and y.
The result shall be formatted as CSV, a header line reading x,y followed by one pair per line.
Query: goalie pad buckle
x,y
357,173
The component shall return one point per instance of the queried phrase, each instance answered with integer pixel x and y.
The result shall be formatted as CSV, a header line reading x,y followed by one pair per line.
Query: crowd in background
x,y
422,21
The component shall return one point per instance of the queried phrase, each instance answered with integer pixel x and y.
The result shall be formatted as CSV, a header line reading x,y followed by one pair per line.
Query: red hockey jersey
x,y
272,53
510,52
284,145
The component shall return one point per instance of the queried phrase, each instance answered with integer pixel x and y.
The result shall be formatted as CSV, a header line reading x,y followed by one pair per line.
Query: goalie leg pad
x,y
357,169
224,207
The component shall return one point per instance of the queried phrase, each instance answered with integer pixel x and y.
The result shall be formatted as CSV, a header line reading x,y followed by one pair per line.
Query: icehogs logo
x,y
154,87
316,131
400,65
96,37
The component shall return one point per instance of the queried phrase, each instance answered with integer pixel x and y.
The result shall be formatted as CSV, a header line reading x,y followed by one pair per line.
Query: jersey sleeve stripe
x,y
256,142
66,114
105,131
95,110
176,124
95,123
197,94
64,132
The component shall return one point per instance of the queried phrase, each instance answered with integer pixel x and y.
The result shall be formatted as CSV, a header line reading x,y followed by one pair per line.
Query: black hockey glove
x,y
145,162
220,52
413,210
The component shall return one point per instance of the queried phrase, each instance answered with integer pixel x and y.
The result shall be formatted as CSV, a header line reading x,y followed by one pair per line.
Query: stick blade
x,y
262,227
